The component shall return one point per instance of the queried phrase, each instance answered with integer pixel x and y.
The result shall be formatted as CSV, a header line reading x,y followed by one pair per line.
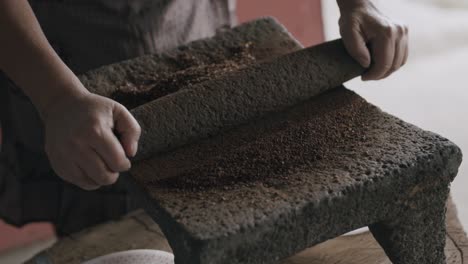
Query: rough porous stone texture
x,y
295,177
241,95
266,190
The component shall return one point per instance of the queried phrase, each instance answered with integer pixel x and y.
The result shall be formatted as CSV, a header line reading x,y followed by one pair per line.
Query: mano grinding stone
x,y
242,94
249,93
293,169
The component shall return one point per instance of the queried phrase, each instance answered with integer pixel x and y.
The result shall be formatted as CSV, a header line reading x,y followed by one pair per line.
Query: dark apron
x,y
87,34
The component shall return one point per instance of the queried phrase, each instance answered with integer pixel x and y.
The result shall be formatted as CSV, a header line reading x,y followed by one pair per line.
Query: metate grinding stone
x,y
276,185
182,68
221,88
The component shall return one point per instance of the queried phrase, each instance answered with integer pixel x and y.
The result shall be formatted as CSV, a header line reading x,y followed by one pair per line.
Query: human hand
x,y
79,126
372,39
88,139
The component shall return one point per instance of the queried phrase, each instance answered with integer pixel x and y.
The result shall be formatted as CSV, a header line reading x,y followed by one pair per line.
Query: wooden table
x,y
138,231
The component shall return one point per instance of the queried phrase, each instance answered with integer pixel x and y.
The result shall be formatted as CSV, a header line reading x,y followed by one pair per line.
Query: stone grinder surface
x,y
252,167
254,87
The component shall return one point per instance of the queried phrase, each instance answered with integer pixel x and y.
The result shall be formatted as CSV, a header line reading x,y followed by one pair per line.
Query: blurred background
x,y
428,92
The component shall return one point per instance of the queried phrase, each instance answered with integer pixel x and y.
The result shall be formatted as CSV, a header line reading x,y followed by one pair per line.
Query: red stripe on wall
x,y
303,18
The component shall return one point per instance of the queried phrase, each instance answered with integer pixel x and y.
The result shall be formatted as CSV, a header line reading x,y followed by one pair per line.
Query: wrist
x,y
345,5
58,93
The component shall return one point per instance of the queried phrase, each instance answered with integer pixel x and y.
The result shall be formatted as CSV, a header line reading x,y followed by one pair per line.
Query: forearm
x,y
28,59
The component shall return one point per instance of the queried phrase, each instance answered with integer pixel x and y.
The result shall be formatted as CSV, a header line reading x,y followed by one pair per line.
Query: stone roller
x,y
250,93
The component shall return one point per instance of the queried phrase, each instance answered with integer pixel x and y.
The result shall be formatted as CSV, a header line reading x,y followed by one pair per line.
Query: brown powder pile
x,y
190,70
269,151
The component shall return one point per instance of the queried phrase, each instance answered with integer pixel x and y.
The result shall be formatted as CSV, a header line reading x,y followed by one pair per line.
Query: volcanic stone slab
x,y
266,190
275,185
171,121
232,87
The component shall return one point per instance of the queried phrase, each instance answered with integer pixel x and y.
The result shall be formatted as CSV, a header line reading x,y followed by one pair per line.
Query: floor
x,y
141,232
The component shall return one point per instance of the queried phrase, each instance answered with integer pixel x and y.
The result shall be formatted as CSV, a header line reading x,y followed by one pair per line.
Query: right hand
x,y
374,40
88,139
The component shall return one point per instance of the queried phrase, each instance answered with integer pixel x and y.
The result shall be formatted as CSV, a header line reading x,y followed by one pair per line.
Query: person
x,y
61,157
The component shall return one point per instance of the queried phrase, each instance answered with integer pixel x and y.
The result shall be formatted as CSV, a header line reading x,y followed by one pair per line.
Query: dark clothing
x,y
87,34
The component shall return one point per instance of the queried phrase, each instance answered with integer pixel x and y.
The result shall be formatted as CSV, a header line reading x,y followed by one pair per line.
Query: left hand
x,y
371,38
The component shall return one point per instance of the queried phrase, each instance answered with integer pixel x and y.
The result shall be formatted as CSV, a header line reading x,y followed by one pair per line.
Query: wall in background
x,y
303,18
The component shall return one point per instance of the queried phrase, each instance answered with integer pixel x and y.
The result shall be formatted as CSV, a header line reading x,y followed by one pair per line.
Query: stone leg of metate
x,y
417,234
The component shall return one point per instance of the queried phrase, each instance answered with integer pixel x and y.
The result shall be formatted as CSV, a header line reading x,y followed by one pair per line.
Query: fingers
x,y
389,52
356,45
109,149
406,39
72,173
83,166
397,60
95,168
383,53
405,59
127,129
81,144
401,51
374,40
84,181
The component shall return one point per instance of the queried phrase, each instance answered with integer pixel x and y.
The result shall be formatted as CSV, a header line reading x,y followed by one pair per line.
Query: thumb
x,y
356,46
127,129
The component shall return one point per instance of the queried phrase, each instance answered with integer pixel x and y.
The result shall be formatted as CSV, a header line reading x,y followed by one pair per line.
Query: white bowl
x,y
139,256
